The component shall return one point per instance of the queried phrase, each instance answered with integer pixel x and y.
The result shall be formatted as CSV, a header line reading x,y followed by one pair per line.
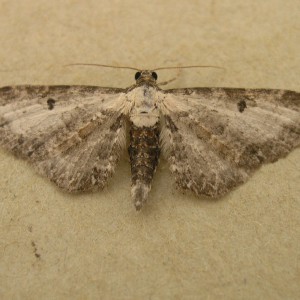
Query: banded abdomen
x,y
144,152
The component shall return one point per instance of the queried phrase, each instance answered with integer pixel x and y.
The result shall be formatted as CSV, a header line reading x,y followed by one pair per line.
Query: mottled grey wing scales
x,y
214,138
72,134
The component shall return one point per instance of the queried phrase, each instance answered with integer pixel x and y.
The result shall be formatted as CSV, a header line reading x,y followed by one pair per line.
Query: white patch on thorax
x,y
144,107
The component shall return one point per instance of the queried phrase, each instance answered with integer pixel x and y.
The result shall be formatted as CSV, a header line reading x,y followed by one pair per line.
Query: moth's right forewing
x,y
215,138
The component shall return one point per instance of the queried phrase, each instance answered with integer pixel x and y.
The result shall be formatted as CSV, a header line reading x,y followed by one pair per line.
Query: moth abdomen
x,y
144,153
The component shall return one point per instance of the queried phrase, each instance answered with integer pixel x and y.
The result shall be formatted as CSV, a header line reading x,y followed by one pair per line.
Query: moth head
x,y
145,76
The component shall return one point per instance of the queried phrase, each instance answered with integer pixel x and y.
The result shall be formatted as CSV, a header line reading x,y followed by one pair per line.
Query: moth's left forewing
x,y
72,134
215,137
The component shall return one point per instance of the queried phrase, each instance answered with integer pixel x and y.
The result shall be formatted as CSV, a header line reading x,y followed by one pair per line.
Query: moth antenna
x,y
187,67
136,69
105,66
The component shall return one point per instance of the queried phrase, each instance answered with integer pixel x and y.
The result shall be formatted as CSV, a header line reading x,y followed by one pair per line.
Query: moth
x,y
213,138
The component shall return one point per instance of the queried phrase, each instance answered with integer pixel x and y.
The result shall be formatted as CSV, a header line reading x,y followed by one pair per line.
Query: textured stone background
x,y
59,246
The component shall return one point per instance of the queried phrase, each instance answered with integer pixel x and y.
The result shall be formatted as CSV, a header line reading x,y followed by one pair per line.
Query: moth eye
x,y
242,105
137,75
50,103
154,75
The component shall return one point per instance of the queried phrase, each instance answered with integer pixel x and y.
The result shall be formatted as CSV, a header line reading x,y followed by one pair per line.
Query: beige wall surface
x,y
55,245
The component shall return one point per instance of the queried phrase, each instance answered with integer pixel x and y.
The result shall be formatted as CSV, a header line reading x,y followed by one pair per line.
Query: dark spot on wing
x,y
241,105
50,103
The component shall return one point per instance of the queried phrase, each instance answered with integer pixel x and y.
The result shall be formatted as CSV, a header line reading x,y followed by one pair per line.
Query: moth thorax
x,y
144,153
